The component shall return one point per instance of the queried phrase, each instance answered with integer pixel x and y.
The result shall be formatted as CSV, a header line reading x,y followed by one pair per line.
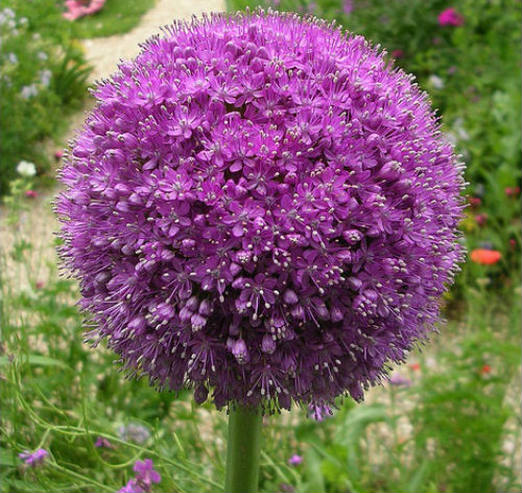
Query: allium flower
x,y
35,458
26,169
262,207
319,412
450,17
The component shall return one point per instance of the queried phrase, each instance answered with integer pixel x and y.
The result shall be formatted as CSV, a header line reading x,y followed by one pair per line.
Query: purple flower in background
x,y
34,459
347,6
261,208
295,460
132,486
146,474
450,17
134,432
102,442
399,381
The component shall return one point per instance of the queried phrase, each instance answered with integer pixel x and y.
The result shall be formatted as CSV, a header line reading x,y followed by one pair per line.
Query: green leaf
x,y
36,359
7,458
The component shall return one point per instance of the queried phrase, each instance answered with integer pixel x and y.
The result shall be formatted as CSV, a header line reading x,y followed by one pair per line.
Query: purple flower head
x,y
261,206
295,460
35,458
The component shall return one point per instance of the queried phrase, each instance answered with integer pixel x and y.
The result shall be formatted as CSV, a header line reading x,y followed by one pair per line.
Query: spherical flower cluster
x,y
262,208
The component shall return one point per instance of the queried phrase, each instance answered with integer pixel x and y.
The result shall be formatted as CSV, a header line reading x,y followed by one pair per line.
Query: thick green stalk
x,y
243,450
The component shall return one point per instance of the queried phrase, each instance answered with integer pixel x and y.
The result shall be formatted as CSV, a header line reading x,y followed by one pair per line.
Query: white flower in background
x,y
436,81
24,21
451,138
42,56
5,16
458,126
6,80
29,91
25,168
45,77
37,37
12,58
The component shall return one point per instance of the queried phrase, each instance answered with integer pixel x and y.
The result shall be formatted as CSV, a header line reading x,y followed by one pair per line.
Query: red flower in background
x,y
481,219
415,366
485,369
512,191
450,17
31,194
483,256
474,201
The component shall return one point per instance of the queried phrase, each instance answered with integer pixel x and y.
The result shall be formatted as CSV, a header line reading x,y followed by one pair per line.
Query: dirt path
x,y
36,223
104,53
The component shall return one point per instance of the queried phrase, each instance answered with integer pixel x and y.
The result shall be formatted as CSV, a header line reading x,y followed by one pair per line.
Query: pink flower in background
x,y
31,194
481,219
399,381
295,460
474,201
348,6
450,17
397,53
77,8
512,191
58,155
39,284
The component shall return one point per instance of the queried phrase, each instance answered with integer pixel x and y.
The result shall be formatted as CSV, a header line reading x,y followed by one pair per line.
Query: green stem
x,y
243,449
